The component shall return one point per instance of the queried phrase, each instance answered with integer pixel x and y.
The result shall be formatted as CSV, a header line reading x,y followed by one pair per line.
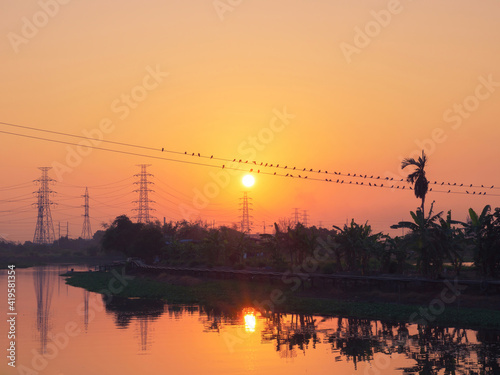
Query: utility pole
x,y
143,211
44,231
86,231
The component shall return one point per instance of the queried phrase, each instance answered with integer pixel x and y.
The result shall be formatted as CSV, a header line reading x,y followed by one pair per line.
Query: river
x,y
63,330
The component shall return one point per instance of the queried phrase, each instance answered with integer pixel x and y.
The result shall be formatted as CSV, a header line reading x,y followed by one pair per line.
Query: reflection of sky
x,y
233,344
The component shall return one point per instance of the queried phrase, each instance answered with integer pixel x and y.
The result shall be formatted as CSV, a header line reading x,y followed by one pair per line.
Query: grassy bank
x,y
233,295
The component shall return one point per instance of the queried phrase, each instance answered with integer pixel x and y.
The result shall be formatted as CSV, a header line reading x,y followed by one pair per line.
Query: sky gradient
x,y
343,86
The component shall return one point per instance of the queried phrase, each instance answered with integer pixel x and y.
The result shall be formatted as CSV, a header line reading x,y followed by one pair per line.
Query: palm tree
x,y
422,240
417,177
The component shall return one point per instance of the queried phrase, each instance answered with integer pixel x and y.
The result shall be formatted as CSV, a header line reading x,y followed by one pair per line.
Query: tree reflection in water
x,y
433,349
144,311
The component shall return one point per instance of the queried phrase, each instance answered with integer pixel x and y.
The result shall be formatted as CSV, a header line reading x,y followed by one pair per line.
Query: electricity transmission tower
x,y
245,216
295,216
304,218
86,231
143,211
44,231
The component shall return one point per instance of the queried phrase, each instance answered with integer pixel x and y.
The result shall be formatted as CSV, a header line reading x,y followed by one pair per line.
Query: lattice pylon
x,y
86,231
143,209
245,214
44,231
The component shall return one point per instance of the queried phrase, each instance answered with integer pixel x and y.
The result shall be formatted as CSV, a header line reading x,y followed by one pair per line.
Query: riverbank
x,y
431,308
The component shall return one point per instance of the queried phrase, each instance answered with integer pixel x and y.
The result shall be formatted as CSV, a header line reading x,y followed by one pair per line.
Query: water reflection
x,y
44,286
431,349
144,311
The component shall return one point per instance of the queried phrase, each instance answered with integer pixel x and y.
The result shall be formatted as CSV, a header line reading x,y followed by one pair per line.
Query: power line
x,y
288,175
291,169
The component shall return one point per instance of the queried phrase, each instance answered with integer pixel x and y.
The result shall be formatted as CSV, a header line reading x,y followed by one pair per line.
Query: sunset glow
x,y
205,94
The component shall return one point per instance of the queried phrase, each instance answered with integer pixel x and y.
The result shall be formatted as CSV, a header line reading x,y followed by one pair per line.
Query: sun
x,y
248,180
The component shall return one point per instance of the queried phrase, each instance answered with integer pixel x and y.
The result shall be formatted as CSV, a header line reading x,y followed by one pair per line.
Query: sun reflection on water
x,y
250,320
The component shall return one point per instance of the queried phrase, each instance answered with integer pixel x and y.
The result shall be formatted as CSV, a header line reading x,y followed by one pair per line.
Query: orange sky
x,y
365,82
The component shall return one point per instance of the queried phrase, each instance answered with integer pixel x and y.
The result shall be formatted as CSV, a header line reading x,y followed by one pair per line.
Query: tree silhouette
x,y
417,177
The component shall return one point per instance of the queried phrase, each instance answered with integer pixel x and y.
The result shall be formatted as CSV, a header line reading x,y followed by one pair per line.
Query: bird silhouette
x,y
381,185
374,184
255,162
370,183
185,152
319,171
234,160
305,177
310,170
162,149
354,175
258,170
492,186
251,170
470,185
348,174
403,187
466,191
442,183
473,192
239,161
461,184
286,175
211,156
275,173
192,154
300,176
271,165
265,165
482,186
246,162
286,166
293,168
449,191
277,165
223,166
